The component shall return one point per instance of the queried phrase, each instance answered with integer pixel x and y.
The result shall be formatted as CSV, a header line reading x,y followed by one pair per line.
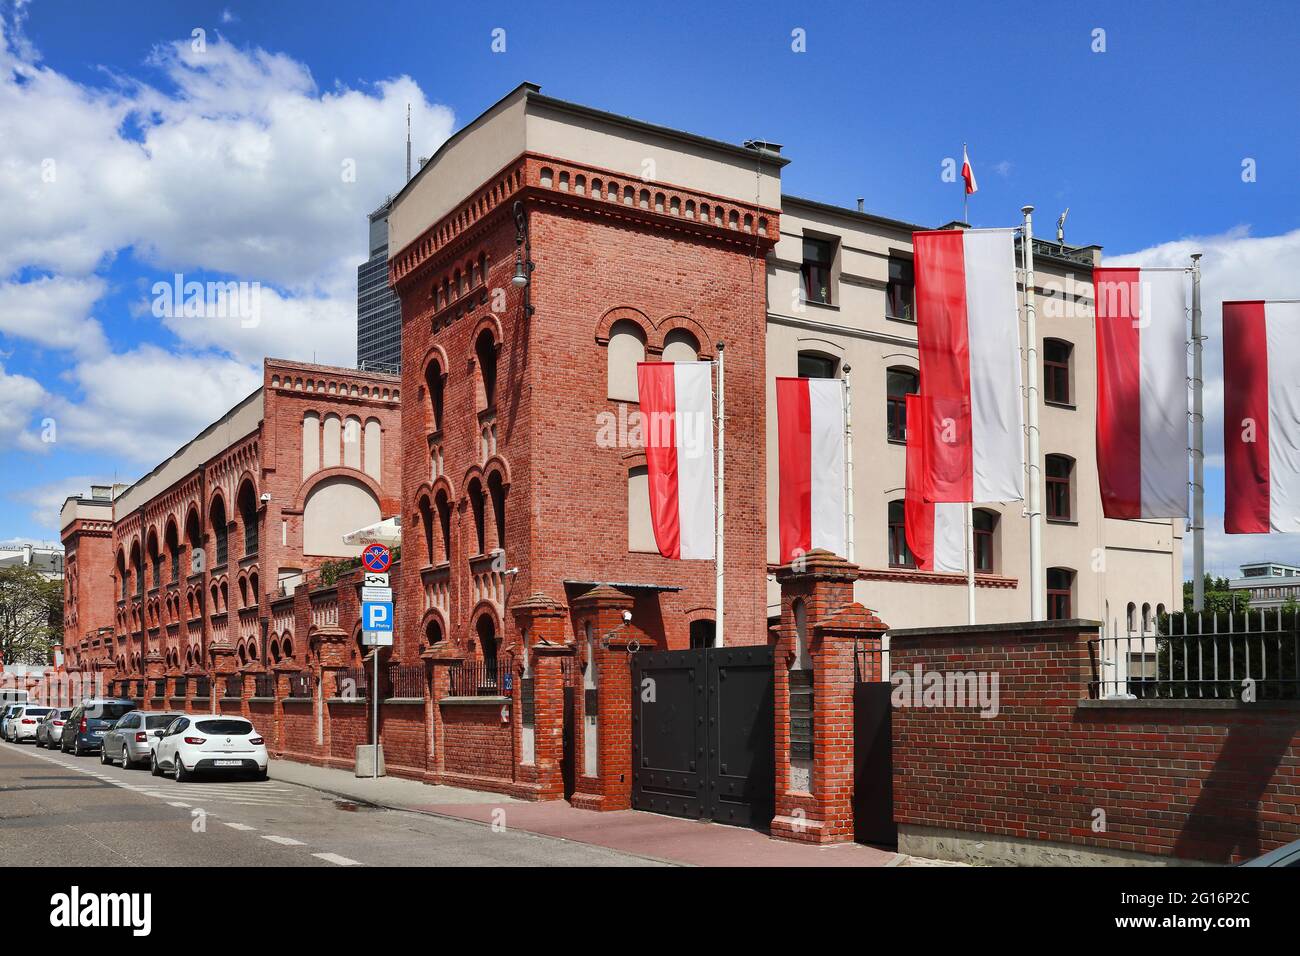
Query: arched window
x,y
985,529
899,383
485,351
1060,593
1146,619
193,533
900,555
680,346
497,492
703,633
1060,491
626,348
818,365
443,505
487,638
1130,618
477,505
434,383
640,532
155,558
426,525
1058,356
173,545
433,632
137,568
247,503
220,530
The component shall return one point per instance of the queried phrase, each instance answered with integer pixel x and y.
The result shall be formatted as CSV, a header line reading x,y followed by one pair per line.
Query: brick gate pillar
x,y
441,657
154,668
604,747
820,626
541,620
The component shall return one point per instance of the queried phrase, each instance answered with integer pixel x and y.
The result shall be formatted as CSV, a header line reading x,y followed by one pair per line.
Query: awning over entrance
x,y
388,531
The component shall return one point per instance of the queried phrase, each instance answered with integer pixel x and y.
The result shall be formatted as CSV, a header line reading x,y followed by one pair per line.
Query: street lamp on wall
x,y
522,279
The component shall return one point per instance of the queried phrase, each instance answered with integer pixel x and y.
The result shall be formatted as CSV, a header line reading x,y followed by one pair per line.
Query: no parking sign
x,y
376,558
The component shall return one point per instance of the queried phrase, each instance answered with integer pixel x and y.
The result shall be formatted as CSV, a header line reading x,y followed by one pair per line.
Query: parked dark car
x,y
1288,855
83,733
50,728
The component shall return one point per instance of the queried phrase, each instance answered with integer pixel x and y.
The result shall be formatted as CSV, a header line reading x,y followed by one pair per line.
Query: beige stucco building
x,y
860,265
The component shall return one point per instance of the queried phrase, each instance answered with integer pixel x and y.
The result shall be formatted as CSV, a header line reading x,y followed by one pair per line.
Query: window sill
x,y
821,305
1067,522
899,318
896,441
1068,406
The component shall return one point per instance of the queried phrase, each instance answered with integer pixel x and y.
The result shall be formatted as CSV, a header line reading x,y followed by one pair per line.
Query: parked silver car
x,y
50,729
131,739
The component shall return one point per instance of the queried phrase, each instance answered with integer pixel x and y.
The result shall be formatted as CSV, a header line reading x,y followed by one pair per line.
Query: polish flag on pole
x,y
810,465
1261,417
677,407
967,172
968,333
1141,392
936,533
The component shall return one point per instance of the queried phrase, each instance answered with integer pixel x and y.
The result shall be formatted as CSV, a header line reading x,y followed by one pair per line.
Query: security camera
x,y
266,496
627,617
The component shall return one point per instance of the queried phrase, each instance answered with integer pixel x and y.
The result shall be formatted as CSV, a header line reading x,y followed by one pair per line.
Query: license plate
x,y
99,733
227,763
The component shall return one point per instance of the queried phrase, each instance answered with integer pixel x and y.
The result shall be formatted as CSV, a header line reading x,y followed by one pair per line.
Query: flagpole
x,y
965,196
848,459
1037,585
722,511
1198,446
970,563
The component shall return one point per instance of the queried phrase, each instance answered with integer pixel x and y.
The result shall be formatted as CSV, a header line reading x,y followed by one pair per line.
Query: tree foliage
x,y
1218,598
31,616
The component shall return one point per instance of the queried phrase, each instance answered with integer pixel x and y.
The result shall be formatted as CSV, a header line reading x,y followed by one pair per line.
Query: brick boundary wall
x,y
1179,782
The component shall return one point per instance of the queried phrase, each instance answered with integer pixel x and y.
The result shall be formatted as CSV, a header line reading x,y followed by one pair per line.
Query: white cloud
x,y
54,311
20,399
146,403
1235,265
46,501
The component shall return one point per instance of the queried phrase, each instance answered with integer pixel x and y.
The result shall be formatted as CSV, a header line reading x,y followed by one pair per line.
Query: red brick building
x,y
175,575
645,243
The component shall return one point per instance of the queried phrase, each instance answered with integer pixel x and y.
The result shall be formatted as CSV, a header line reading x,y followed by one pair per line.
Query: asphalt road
x,y
61,810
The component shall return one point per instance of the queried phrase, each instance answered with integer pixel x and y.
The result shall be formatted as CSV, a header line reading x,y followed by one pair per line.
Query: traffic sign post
x,y
376,626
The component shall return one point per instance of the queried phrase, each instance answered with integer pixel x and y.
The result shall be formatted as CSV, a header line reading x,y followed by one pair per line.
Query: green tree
x,y
31,616
1218,598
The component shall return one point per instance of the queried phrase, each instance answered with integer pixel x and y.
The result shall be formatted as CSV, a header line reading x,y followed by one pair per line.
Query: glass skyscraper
x,y
379,313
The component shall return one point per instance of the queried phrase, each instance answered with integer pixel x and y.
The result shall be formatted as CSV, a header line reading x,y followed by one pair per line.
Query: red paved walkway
x,y
688,842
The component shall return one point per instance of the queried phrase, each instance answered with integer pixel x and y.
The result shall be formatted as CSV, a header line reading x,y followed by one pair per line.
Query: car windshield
x,y
64,714
159,721
108,711
38,711
230,727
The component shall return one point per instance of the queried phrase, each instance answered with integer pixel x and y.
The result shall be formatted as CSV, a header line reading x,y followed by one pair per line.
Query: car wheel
x,y
126,758
153,765
76,748
178,770
103,756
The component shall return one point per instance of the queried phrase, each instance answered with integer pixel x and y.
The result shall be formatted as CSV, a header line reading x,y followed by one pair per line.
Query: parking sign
x,y
377,616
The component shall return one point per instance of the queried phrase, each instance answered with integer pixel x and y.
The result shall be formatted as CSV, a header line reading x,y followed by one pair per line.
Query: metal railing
x,y
1250,656
868,663
406,680
202,687
263,685
352,683
477,678
182,687
234,685
300,686
160,688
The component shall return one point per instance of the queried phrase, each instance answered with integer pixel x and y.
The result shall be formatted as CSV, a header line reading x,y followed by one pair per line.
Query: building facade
x,y
174,575
379,315
1268,585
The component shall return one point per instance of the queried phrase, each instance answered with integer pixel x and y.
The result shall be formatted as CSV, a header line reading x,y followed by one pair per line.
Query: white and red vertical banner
x,y
968,172
810,420
936,532
677,407
1261,417
1141,392
968,333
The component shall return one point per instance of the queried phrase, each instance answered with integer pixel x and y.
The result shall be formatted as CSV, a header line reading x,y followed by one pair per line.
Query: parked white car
x,y
21,725
195,743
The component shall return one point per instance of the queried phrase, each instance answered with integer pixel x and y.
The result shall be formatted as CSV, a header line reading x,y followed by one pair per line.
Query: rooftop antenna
x,y
408,142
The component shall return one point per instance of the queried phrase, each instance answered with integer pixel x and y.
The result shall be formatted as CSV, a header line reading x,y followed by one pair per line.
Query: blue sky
x,y
224,163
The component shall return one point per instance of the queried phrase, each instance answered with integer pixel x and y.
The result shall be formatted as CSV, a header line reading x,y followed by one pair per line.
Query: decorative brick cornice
x,y
908,576
594,190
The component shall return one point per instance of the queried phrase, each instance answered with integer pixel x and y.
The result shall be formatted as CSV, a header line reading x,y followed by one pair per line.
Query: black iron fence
x,y
182,687
1250,656
202,687
300,686
160,688
868,663
352,683
263,685
406,680
234,685
478,678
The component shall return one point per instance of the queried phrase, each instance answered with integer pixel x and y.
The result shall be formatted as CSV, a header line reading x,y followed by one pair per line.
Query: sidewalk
x,y
649,835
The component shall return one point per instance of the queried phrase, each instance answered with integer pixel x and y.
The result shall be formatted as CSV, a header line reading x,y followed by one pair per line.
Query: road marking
x,y
284,841
177,803
237,826
335,858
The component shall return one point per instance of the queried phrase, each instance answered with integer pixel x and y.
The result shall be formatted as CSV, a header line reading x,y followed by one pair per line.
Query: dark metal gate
x,y
568,758
703,734
873,753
